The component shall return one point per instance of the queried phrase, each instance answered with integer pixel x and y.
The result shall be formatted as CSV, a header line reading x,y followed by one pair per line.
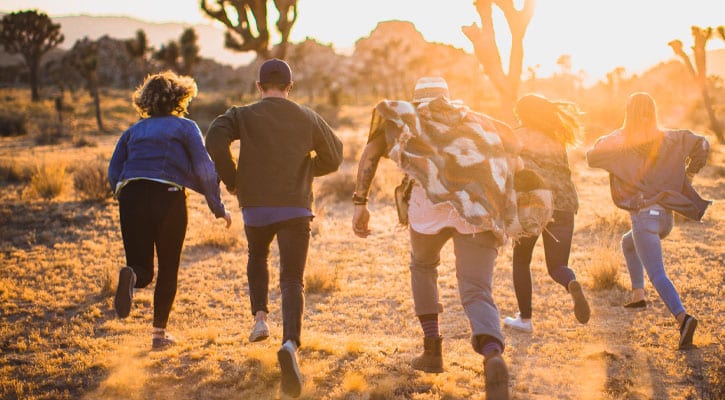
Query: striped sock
x,y
489,348
429,323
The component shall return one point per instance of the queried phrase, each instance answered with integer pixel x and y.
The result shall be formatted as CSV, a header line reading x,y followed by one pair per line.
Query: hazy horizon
x,y
602,36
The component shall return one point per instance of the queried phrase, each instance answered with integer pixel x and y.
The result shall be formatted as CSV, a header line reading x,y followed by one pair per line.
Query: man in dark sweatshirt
x,y
283,146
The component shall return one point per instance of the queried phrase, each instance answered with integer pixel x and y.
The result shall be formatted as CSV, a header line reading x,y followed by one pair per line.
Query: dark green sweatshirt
x,y
282,147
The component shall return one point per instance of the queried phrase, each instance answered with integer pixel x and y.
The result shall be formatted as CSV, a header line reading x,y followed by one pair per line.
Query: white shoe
x,y
518,324
290,373
259,332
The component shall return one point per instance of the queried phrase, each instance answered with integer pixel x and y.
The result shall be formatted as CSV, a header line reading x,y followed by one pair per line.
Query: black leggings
x,y
557,245
154,214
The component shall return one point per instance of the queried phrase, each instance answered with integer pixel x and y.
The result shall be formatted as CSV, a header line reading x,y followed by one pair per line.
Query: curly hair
x,y
558,119
164,93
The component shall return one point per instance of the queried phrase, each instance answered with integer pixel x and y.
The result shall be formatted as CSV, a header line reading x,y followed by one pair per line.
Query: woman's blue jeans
x,y
643,251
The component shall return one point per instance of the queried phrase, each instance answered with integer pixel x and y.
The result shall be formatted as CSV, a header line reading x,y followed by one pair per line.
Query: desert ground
x,y
60,339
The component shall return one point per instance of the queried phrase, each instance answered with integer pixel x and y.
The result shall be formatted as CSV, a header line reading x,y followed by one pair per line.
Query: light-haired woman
x,y
650,172
152,164
546,129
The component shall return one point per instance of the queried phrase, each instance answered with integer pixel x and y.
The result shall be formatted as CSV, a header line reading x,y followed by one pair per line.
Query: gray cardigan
x,y
636,184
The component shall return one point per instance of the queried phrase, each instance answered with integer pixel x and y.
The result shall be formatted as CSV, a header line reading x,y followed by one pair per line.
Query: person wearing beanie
x,y
283,146
459,167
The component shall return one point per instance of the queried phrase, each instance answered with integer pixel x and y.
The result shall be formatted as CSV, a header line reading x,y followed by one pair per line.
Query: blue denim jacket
x,y
167,148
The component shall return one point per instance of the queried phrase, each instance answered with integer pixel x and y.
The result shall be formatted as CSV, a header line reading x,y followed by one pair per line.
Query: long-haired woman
x,y
650,171
546,129
152,164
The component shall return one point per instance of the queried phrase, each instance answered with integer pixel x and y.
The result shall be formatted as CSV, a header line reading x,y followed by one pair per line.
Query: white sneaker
x,y
259,332
518,324
290,373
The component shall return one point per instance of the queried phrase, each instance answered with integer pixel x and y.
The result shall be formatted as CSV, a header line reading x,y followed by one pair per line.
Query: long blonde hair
x,y
557,119
640,120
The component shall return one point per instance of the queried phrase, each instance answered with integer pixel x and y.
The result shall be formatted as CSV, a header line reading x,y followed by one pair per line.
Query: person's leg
x,y
557,247
635,269
475,258
424,261
647,230
293,239
138,243
523,250
259,239
137,230
170,211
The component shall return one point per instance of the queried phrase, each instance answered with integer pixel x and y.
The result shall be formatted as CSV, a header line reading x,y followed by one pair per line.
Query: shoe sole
x,y
258,337
124,292
688,333
581,306
291,378
497,378
518,328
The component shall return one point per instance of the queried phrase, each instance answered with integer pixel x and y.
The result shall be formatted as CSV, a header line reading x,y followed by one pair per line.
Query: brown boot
x,y
432,359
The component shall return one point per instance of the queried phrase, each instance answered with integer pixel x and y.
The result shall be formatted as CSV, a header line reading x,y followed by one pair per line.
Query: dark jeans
x,y
293,239
557,246
152,216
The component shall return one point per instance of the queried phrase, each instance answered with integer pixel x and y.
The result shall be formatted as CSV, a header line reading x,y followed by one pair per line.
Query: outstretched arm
x,y
368,165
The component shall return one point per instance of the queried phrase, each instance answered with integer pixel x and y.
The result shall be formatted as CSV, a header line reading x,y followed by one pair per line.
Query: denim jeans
x,y
557,246
643,251
475,259
153,214
293,239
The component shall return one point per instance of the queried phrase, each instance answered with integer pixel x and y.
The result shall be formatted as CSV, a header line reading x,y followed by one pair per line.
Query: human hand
x,y
228,218
360,220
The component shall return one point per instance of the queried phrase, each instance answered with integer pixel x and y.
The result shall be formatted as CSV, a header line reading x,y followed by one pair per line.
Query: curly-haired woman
x,y
546,129
152,164
650,172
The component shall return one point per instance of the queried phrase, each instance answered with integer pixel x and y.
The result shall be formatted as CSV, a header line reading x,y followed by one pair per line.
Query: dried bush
x,y
12,123
13,172
604,271
90,181
48,180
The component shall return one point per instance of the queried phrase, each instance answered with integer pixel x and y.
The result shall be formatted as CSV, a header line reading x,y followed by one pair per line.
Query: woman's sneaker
x,y
162,342
687,331
124,292
519,324
581,306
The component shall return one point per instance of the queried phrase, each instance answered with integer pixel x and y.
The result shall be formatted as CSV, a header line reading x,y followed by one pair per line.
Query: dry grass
x,y
49,180
59,339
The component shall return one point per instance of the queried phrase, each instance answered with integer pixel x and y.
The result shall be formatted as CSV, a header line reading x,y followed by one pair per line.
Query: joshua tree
x,y
699,72
189,49
138,46
487,52
84,57
31,34
248,30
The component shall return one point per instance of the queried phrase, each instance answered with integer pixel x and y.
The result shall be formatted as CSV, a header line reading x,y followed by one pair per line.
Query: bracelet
x,y
359,200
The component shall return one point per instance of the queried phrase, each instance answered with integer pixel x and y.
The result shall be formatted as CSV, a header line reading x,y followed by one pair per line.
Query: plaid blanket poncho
x,y
458,156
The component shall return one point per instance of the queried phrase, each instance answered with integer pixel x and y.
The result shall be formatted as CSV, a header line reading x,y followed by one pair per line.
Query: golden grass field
x,y
59,338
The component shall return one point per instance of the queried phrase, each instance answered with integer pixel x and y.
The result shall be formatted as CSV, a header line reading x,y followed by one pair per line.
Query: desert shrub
x,y
604,270
13,172
90,183
321,280
48,131
48,180
336,187
12,123
203,111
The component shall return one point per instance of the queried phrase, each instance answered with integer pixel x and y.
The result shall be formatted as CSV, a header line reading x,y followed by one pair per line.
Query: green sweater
x,y
283,146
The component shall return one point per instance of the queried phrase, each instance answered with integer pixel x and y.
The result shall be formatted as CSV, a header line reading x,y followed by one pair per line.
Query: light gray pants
x,y
475,258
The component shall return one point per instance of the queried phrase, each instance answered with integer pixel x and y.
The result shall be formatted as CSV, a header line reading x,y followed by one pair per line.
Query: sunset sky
x,y
599,35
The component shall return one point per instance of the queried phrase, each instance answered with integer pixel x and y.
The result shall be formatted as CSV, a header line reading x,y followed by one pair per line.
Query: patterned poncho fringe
x,y
458,156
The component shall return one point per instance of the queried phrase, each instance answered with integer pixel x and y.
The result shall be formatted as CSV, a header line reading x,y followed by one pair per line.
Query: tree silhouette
x,y
189,49
84,58
699,70
168,54
246,22
483,39
138,46
32,34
